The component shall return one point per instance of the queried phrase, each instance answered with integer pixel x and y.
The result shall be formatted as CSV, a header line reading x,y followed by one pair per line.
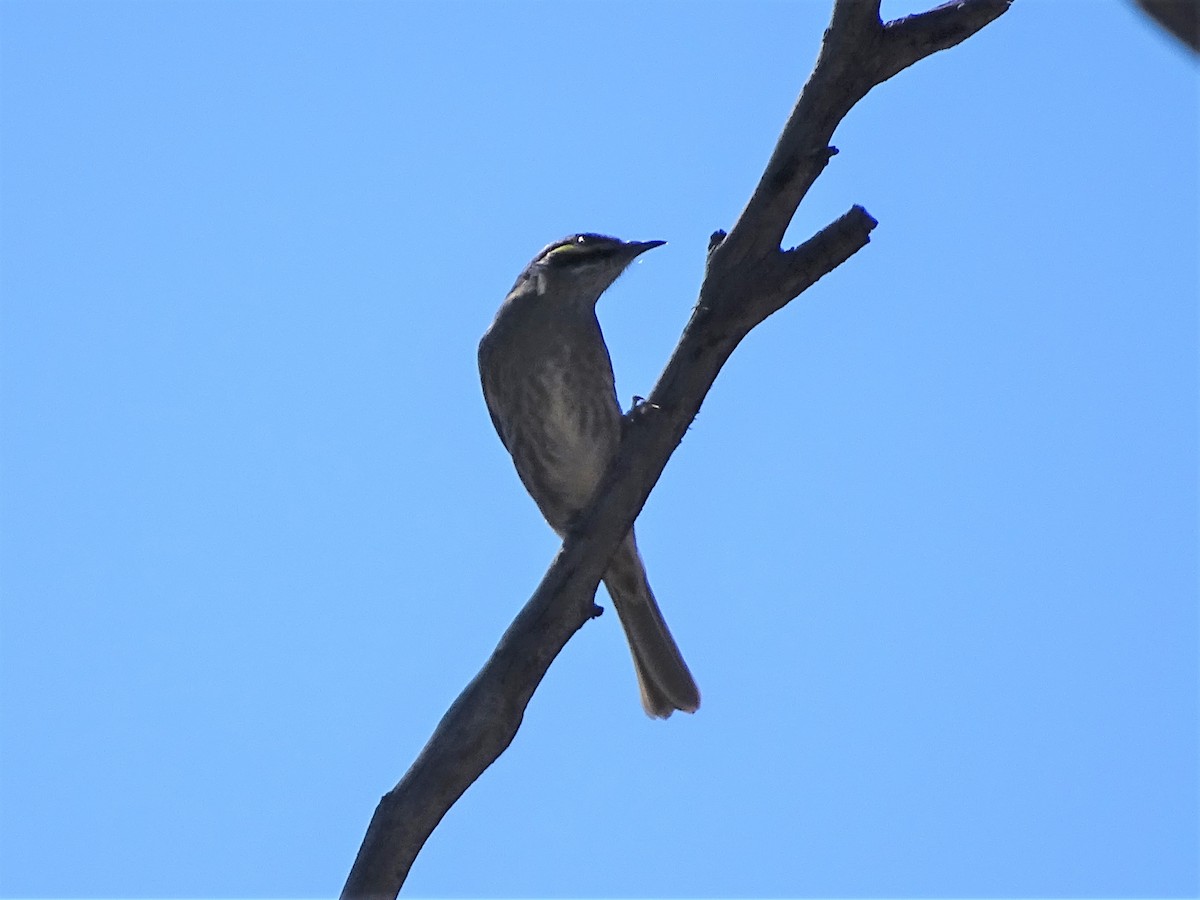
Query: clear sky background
x,y
930,547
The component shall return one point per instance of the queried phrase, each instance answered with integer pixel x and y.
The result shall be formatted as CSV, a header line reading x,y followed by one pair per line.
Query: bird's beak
x,y
640,247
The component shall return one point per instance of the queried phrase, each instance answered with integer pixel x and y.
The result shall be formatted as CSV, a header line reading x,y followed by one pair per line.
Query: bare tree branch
x,y
748,278
1179,17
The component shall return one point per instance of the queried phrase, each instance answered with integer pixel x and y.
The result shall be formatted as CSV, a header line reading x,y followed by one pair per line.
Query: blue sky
x,y
930,547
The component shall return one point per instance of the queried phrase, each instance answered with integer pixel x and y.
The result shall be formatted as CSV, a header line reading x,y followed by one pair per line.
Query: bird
x,y
548,383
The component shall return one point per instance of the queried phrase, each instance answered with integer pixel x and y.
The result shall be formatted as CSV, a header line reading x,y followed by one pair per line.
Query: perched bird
x,y
548,382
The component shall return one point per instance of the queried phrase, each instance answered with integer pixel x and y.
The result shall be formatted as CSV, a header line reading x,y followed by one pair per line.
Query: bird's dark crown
x,y
583,264
579,248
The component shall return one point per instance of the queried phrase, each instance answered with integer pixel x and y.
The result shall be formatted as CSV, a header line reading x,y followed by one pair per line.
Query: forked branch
x,y
748,278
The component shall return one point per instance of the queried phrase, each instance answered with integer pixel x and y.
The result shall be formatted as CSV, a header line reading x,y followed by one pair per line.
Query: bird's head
x,y
582,266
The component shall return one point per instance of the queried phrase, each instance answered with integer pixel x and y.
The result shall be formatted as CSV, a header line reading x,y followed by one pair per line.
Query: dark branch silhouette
x,y
1179,17
748,278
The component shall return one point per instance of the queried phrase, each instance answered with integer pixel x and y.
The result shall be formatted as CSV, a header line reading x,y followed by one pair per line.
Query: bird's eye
x,y
577,249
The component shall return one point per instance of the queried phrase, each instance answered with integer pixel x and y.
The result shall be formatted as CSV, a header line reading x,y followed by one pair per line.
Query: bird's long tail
x,y
663,676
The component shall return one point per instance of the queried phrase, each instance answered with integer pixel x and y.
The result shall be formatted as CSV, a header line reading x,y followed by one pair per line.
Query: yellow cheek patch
x,y
567,250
